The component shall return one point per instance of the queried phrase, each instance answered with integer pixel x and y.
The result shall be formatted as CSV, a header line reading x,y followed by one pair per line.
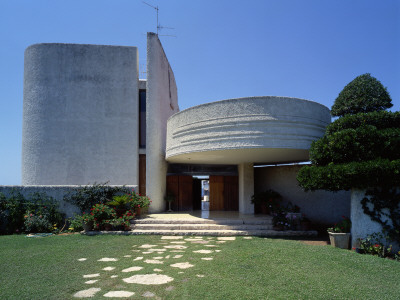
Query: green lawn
x,y
259,268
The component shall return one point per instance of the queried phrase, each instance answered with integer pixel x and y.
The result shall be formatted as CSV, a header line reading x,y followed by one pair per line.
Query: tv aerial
x,y
159,27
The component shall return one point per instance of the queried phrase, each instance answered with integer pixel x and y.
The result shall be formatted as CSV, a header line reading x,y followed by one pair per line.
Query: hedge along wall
x,y
320,206
55,191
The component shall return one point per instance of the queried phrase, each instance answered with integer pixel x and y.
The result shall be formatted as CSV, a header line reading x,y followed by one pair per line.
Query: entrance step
x,y
204,226
256,221
263,233
178,224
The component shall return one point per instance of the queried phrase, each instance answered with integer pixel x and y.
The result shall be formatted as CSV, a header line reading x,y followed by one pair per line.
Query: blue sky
x,y
223,49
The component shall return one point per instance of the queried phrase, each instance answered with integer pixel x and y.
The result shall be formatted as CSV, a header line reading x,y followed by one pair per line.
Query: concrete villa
x,y
89,118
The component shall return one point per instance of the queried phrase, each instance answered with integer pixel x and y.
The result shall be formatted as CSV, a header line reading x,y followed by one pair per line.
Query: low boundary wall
x,y
55,191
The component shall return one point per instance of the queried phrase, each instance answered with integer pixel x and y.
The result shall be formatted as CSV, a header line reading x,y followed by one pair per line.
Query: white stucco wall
x,y
320,206
362,225
80,115
161,103
253,129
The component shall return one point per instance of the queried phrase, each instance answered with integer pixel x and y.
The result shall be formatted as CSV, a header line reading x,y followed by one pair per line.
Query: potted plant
x,y
100,213
339,234
267,202
84,221
293,216
120,203
123,222
279,220
87,222
107,225
139,204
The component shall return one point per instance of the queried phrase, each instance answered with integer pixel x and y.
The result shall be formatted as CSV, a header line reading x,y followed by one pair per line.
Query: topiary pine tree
x,y
364,94
360,150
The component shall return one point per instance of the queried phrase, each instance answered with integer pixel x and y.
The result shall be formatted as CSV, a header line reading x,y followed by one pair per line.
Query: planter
x,y
107,227
87,226
141,212
340,240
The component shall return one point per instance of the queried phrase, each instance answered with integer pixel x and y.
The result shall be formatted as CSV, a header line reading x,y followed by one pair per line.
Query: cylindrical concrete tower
x,y
80,119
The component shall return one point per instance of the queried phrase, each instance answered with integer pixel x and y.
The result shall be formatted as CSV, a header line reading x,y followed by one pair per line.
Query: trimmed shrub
x,y
84,197
360,144
361,175
364,94
379,119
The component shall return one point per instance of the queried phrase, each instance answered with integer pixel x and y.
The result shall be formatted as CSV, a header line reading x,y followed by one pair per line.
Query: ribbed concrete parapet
x,y
255,129
80,120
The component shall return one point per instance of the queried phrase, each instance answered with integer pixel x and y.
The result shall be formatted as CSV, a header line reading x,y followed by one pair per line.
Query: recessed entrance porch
x,y
191,185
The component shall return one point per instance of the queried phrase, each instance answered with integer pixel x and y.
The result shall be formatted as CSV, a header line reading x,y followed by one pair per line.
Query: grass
x,y
47,268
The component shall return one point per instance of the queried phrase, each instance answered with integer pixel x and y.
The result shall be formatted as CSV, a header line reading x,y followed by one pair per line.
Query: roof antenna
x,y
159,27
156,8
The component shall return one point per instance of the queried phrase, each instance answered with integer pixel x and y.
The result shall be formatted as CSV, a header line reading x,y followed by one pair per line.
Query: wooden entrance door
x,y
231,193
216,192
185,193
181,187
224,193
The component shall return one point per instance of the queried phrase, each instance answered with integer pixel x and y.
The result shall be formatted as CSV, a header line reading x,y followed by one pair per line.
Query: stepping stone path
x,y
107,259
119,294
184,265
132,269
87,293
91,281
167,247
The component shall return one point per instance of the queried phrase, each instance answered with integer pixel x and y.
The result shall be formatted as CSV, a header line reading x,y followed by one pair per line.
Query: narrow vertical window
x,y
142,118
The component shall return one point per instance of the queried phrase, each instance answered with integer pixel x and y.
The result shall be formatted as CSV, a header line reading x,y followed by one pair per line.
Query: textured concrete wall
x,y
161,103
80,119
254,129
320,206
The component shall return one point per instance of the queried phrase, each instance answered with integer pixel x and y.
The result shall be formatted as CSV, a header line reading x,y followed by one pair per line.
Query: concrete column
x,y
246,188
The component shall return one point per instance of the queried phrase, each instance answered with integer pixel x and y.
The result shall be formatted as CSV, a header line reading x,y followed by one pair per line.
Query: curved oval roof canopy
x,y
255,129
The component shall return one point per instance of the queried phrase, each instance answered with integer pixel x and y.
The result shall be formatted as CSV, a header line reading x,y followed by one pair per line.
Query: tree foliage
x,y
360,175
360,150
364,94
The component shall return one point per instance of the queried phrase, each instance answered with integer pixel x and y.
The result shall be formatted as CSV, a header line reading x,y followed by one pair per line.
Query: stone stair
x,y
212,227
